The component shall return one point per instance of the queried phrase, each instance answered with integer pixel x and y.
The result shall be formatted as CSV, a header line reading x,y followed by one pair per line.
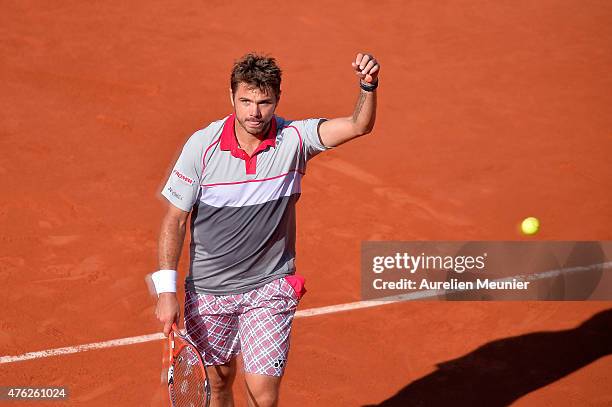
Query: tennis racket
x,y
187,380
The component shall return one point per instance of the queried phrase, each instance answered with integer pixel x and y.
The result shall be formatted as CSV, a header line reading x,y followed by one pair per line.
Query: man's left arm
x,y
337,131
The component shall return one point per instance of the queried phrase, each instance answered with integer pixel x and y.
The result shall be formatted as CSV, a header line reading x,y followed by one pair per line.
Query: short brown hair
x,y
259,71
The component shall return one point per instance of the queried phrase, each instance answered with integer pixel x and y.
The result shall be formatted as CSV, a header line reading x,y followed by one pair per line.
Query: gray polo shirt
x,y
242,208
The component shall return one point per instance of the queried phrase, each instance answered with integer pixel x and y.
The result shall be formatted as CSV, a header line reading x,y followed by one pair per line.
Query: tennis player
x,y
240,178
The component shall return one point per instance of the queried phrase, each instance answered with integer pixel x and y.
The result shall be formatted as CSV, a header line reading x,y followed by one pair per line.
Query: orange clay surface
x,y
488,112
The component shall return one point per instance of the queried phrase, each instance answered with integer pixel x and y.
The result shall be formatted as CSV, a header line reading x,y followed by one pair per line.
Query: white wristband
x,y
164,281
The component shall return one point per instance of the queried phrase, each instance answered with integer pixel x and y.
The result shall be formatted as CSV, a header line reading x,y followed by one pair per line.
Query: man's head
x,y
255,91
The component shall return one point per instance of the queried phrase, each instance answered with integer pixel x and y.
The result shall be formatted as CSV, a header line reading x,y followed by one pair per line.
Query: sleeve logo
x,y
182,177
175,194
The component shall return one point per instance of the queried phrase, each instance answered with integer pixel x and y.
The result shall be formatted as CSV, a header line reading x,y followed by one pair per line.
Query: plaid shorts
x,y
256,323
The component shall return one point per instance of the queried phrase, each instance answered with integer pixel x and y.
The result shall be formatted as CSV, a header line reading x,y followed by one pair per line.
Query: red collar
x,y
230,143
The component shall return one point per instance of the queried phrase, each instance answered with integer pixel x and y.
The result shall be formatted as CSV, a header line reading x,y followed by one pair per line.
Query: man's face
x,y
253,108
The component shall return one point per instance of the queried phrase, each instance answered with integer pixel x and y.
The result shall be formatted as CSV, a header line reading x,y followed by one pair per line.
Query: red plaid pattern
x,y
256,323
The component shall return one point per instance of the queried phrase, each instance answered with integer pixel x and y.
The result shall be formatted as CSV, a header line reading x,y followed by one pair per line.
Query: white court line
x,y
419,295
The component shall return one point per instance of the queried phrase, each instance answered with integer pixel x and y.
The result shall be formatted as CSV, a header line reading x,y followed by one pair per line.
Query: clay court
x,y
489,111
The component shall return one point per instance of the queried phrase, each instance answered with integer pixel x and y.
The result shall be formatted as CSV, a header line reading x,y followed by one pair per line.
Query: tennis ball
x,y
530,226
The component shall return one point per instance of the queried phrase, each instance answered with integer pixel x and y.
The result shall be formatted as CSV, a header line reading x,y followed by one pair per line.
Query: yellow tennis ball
x,y
530,225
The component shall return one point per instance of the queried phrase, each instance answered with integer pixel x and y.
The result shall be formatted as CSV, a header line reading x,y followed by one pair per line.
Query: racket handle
x,y
171,342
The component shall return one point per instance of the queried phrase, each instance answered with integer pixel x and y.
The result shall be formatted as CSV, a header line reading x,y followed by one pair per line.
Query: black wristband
x,y
368,87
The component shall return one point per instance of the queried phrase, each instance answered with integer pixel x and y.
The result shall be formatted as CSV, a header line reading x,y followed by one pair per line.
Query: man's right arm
x,y
181,191
171,238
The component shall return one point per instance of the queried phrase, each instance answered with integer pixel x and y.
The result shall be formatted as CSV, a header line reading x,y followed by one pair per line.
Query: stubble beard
x,y
253,132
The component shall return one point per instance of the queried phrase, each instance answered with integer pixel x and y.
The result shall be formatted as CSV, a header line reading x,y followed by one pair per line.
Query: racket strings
x,y
188,387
